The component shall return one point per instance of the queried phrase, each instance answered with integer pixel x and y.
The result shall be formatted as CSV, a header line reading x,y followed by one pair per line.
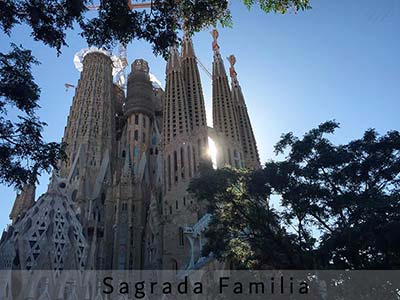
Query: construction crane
x,y
68,86
121,81
208,73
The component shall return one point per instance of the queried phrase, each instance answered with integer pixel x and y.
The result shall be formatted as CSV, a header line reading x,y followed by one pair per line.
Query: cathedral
x,y
120,200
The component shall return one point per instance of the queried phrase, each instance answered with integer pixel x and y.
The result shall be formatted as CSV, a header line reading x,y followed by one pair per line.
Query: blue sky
x,y
340,60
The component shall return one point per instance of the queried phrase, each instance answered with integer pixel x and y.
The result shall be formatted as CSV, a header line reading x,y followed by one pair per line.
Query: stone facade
x,y
120,201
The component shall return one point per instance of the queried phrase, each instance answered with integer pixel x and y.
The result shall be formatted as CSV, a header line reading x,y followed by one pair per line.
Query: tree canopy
x,y
339,205
23,153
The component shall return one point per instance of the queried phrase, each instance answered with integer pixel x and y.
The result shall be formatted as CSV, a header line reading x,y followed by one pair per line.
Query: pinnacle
x,y
173,63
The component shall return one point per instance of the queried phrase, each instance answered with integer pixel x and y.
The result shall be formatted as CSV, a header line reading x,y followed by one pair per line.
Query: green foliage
x,y
48,19
340,205
279,6
243,224
23,154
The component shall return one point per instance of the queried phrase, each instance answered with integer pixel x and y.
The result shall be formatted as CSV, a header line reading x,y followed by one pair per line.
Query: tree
x,y
340,205
23,153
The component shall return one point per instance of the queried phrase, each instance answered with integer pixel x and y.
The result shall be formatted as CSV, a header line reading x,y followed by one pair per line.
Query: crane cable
x,y
204,68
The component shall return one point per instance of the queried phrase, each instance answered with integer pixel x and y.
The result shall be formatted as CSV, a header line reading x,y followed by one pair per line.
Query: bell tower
x,y
250,152
195,101
225,120
180,159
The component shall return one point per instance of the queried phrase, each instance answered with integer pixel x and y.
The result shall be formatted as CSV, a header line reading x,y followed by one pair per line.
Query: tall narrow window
x,y
136,119
174,265
144,121
194,161
176,166
165,176
189,161
181,237
136,135
169,172
143,137
182,164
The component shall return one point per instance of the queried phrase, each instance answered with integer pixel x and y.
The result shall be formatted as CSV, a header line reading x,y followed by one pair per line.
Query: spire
x,y
173,60
91,119
218,64
187,46
232,71
176,120
224,114
195,98
237,95
248,141
23,201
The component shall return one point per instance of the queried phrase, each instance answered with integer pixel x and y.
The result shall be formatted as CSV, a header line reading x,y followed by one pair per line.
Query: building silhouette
x,y
120,201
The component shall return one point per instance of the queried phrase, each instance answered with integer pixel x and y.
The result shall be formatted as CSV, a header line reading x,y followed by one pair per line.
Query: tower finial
x,y
215,45
185,29
173,60
232,71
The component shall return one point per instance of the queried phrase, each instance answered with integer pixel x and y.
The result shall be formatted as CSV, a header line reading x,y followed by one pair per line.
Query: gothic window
x,y
175,166
136,119
189,161
181,237
182,164
124,206
174,265
136,135
194,161
143,137
169,172
73,196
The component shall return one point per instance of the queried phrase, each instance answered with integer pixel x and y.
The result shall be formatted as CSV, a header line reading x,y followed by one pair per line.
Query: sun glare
x,y
212,152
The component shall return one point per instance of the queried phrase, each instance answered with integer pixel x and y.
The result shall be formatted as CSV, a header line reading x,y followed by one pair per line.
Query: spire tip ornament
x,y
232,71
215,36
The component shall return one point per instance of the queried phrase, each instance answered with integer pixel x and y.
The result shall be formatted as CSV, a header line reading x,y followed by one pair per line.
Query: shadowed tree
x,y
23,153
339,205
